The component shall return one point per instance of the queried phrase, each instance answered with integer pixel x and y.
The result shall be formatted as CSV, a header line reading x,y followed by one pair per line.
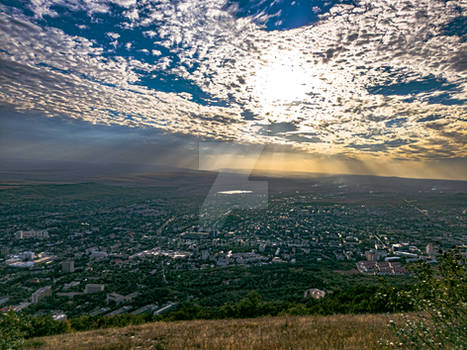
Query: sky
x,y
338,86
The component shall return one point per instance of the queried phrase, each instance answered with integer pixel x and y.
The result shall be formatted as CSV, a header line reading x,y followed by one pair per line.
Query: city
x,y
132,251
233,174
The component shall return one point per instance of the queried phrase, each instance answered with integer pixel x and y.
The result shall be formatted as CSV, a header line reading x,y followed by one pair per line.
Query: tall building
x,y
41,293
68,266
375,255
431,250
370,255
4,251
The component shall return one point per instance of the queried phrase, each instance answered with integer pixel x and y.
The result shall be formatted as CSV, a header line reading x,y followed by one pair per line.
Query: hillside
x,y
288,332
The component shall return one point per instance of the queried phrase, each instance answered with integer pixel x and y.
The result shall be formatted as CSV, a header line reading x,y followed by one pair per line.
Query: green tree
x,y
251,305
440,297
12,328
46,325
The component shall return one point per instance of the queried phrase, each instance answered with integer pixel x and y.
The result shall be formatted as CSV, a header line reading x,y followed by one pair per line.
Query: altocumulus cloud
x,y
375,78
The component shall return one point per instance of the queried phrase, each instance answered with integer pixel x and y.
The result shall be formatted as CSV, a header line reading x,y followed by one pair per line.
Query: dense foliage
x,y
12,331
441,297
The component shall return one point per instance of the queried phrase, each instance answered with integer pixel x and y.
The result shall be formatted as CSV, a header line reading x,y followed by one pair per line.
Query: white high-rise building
x,y
41,293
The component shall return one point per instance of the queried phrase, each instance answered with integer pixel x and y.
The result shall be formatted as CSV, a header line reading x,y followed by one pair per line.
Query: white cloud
x,y
113,35
124,3
315,77
43,7
150,33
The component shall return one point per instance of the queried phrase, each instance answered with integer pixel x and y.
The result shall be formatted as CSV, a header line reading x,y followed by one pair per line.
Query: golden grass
x,y
268,333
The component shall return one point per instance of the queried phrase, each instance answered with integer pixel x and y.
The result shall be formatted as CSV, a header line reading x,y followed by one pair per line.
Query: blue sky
x,y
355,80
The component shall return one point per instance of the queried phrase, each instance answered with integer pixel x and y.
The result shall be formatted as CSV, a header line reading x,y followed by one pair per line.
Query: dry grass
x,y
288,332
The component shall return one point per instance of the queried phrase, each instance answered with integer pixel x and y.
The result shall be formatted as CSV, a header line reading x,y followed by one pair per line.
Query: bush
x,y
46,325
11,331
440,297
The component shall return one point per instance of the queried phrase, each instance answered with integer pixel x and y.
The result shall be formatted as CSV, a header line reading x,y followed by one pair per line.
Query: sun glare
x,y
282,81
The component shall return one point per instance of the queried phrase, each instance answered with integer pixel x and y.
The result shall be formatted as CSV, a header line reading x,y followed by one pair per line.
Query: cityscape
x,y
233,174
124,250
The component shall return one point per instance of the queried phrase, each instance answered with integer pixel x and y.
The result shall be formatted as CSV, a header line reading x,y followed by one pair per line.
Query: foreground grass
x,y
287,332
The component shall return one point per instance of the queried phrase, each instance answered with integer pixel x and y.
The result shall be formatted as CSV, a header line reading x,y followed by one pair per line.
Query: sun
x,y
282,82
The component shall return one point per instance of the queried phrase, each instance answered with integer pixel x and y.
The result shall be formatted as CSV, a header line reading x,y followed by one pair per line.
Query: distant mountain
x,y
122,174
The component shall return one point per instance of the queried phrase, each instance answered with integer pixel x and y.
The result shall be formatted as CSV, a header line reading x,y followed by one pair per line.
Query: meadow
x,y
347,332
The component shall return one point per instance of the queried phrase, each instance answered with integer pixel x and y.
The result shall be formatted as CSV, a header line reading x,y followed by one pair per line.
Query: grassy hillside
x,y
288,332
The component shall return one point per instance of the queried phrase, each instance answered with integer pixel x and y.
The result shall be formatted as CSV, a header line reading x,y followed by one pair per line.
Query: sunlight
x,y
283,81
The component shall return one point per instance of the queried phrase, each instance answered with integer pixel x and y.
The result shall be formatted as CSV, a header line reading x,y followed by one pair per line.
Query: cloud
x,y
113,35
31,137
363,80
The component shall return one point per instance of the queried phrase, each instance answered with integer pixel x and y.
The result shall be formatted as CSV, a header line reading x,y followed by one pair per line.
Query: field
x,y
289,332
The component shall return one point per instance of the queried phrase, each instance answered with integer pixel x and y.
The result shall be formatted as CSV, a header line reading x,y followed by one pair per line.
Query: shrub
x,y
12,332
440,297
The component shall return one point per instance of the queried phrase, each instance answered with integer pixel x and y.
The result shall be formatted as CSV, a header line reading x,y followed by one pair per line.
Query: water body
x,y
235,192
